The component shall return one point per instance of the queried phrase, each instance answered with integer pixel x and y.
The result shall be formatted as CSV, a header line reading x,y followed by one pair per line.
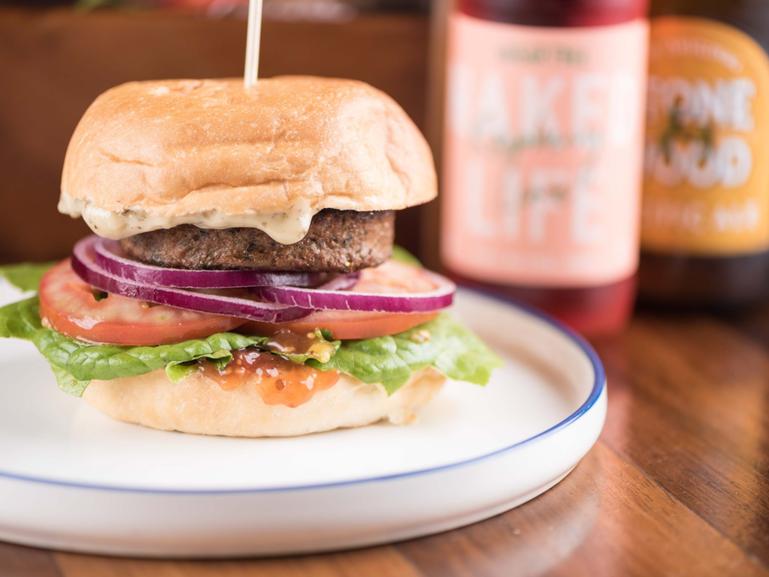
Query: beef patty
x,y
338,241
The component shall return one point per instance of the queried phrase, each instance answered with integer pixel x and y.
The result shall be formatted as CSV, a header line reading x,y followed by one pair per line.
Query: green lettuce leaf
x,y
177,370
75,363
442,343
68,383
25,276
402,255
20,320
322,350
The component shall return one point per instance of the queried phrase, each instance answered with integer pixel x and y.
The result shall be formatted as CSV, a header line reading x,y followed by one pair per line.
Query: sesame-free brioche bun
x,y
156,154
197,404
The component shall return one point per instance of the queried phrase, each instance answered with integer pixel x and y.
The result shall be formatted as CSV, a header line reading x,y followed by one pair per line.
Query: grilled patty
x,y
338,241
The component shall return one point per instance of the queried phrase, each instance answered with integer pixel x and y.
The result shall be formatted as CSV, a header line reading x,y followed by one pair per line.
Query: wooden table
x,y
677,485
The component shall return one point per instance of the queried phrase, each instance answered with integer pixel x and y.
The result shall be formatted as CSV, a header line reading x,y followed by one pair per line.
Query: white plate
x,y
73,479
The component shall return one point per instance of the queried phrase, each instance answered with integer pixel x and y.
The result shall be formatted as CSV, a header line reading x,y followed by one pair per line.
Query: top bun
x,y
152,155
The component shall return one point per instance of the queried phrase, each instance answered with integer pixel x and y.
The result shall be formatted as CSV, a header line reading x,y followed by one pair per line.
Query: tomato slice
x,y
390,277
74,308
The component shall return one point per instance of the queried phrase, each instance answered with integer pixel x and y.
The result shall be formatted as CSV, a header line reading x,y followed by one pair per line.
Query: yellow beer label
x,y
706,177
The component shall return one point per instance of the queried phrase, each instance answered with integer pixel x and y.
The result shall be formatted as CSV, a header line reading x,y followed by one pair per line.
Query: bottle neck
x,y
555,13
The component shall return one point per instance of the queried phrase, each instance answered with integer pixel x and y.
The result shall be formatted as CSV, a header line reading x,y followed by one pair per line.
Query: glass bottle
x,y
543,153
705,225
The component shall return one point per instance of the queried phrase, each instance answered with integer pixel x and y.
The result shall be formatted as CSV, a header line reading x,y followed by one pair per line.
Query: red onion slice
x,y
85,266
110,258
331,298
342,282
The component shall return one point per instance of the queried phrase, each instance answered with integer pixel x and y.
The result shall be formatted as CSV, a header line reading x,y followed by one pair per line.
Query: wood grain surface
x,y
678,483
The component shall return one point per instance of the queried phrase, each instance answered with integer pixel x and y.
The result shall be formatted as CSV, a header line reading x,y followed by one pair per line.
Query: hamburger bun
x,y
153,155
197,404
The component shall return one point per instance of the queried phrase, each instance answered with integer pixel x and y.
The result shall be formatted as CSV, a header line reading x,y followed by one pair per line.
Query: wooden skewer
x,y
251,73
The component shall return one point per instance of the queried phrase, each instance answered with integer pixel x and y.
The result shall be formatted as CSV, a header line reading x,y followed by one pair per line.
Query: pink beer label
x,y
543,157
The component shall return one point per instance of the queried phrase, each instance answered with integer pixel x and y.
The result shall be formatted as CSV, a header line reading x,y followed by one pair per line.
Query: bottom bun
x,y
197,404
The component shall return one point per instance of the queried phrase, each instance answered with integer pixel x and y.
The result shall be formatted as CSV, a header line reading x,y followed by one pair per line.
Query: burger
x,y
241,279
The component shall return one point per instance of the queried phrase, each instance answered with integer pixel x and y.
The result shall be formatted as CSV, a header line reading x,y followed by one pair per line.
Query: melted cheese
x,y
286,227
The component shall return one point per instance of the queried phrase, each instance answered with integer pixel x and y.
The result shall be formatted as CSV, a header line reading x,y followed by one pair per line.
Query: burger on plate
x,y
241,279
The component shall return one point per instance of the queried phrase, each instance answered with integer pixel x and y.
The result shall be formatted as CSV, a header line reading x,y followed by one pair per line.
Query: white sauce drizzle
x,y
286,227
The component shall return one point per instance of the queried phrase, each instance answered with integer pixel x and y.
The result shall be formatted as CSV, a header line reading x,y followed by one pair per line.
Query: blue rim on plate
x,y
599,384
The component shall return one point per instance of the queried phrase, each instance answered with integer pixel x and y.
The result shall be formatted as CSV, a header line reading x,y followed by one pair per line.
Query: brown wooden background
x,y
53,63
